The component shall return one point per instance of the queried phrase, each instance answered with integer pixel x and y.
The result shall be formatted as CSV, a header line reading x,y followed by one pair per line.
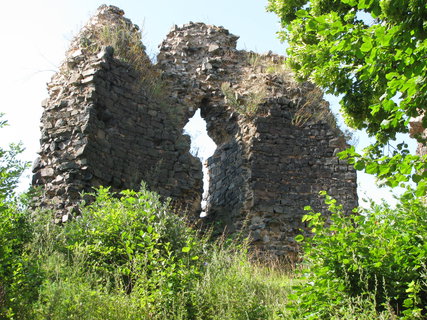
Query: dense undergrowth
x,y
128,256
375,259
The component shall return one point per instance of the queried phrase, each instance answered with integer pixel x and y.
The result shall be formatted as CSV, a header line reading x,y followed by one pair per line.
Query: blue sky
x,y
35,35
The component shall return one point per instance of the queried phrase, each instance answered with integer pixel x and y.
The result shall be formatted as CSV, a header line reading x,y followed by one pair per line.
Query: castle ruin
x,y
114,118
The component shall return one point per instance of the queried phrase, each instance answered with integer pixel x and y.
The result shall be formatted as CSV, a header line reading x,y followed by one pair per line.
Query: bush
x,y
135,242
16,270
378,255
11,169
126,257
19,276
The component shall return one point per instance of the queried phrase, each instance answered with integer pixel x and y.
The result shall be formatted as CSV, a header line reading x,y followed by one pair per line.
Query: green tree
x,y
374,54
11,169
14,232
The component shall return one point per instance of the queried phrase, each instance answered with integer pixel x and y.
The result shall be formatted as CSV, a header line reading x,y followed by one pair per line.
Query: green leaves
x,y
371,52
185,249
16,269
359,165
302,14
299,238
397,170
379,252
367,45
11,168
137,236
350,2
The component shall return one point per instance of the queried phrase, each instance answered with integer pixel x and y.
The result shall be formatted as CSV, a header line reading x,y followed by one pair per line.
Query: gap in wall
x,y
203,147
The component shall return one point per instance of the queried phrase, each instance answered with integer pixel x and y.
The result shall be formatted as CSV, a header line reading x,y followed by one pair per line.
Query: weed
x,y
311,106
248,103
269,63
232,287
126,40
129,257
254,60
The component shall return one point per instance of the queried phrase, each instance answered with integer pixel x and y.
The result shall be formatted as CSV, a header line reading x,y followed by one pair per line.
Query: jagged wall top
x,y
204,69
104,16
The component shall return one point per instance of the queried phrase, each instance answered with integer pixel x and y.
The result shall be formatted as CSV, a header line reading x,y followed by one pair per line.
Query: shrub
x,y
379,255
11,169
15,232
129,257
19,276
126,257
134,240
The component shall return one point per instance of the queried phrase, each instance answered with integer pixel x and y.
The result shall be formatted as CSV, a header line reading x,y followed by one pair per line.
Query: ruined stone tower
x,y
114,119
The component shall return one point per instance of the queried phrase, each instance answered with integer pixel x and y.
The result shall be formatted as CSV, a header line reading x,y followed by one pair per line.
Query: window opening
x,y
203,147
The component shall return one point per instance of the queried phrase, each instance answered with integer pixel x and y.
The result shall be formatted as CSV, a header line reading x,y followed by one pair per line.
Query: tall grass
x,y
246,105
235,287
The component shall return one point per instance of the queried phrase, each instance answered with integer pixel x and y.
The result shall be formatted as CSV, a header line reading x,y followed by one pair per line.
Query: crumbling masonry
x,y
113,121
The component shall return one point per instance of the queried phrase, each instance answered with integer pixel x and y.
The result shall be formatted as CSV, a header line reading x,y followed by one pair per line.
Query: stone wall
x,y
271,163
417,130
101,126
106,124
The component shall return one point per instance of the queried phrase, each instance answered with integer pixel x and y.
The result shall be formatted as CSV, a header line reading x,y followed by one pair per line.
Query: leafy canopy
x,y
374,54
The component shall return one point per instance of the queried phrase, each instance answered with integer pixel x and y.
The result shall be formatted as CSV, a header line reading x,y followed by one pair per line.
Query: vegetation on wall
x,y
126,41
309,106
247,105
